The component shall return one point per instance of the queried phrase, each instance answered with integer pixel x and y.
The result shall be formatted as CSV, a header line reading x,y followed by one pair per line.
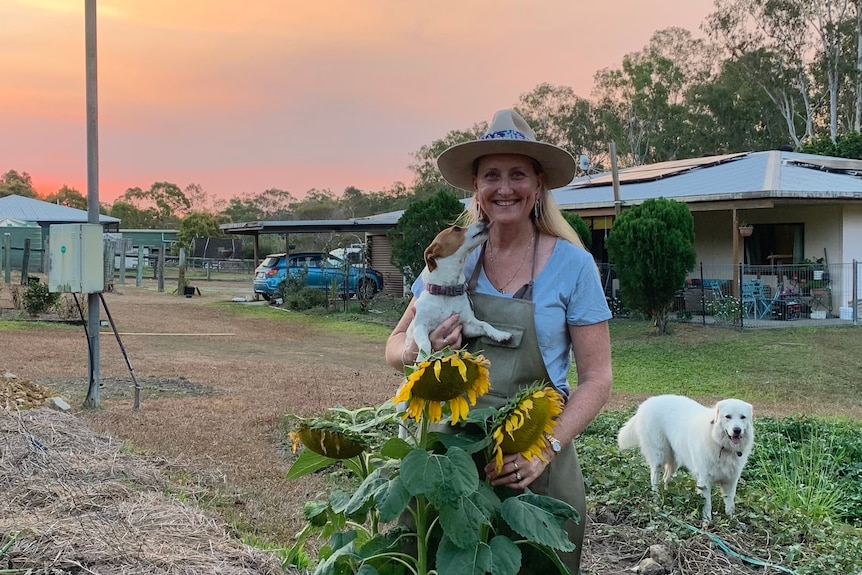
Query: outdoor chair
x,y
752,296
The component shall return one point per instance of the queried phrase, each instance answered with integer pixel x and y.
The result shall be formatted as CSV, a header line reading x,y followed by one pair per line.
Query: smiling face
x,y
507,187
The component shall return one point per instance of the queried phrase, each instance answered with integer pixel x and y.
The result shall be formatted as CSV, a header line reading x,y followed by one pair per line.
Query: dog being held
x,y
445,290
713,444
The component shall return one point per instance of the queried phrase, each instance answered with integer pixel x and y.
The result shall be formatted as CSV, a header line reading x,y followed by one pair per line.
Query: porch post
x,y
735,234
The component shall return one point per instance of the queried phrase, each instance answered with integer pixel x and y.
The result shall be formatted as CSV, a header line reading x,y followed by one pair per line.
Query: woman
x,y
532,275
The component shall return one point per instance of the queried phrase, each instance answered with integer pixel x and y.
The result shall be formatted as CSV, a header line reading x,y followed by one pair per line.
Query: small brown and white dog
x,y
712,443
445,290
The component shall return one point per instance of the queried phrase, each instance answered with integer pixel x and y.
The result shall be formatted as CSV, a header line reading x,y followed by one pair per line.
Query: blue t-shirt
x,y
567,291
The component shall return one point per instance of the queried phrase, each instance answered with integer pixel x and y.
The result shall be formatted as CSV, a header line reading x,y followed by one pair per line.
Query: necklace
x,y
505,286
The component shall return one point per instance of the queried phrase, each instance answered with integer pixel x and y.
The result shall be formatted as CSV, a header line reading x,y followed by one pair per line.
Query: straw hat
x,y
508,133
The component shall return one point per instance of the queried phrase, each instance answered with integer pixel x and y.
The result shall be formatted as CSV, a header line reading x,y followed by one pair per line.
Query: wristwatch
x,y
554,442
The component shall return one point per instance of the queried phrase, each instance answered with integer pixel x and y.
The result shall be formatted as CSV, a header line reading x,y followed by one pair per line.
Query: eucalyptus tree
x,y
198,224
165,201
560,117
131,216
797,38
644,102
732,114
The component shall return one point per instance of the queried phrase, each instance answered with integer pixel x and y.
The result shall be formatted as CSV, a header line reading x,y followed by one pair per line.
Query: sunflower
x,y
327,438
520,425
444,377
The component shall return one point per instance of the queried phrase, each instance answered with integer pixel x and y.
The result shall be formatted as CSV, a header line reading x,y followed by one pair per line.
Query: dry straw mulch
x,y
80,504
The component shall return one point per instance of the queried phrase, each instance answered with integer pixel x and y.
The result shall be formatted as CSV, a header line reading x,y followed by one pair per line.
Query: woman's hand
x,y
517,472
447,334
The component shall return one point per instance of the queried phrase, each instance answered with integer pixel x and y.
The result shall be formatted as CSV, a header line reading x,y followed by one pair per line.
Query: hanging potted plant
x,y
745,229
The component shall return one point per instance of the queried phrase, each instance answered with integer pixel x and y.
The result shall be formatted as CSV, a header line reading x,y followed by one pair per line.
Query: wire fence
x,y
770,296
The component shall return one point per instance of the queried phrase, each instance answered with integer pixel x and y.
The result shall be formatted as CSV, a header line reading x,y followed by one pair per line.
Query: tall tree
x,y
421,221
13,183
317,205
199,199
242,209
559,117
67,196
200,224
427,181
732,114
165,200
131,217
778,32
652,249
643,103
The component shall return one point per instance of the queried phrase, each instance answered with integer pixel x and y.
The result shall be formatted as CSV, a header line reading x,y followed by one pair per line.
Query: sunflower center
x,y
449,386
532,424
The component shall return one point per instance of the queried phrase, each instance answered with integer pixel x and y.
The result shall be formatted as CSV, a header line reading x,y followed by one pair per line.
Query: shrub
x,y
37,299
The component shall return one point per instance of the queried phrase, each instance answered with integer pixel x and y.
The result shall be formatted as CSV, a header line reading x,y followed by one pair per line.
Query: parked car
x,y
323,271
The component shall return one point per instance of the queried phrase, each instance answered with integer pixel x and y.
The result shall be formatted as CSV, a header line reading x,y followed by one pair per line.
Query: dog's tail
x,y
627,437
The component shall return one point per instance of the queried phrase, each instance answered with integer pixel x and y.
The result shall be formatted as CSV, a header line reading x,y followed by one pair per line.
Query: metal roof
x,y
751,176
32,210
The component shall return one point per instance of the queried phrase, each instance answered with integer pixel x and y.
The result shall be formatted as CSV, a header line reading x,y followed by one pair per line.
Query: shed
x,y
19,231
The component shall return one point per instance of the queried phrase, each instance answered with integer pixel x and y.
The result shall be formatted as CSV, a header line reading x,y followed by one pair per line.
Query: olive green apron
x,y
515,365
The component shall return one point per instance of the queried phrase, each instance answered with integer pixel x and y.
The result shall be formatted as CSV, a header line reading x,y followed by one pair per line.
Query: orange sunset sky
x,y
241,96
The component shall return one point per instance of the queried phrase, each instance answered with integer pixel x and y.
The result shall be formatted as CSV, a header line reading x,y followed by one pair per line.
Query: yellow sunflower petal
x,y
403,393
435,411
462,367
460,409
438,366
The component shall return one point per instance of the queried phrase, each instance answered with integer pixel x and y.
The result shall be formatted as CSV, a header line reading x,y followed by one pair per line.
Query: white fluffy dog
x,y
713,444
445,287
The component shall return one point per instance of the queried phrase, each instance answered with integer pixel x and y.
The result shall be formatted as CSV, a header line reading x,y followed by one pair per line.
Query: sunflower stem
x,y
421,535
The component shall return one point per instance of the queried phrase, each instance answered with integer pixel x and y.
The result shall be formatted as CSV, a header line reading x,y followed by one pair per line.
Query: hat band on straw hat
x,y
508,133
505,135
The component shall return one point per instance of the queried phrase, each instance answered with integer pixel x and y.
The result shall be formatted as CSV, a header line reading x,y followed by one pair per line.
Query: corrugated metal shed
x,y
45,213
19,231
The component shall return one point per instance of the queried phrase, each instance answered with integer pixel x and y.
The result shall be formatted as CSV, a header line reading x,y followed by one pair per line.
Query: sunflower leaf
x,y
365,491
540,519
393,499
471,443
443,478
308,462
505,556
395,448
463,522
453,560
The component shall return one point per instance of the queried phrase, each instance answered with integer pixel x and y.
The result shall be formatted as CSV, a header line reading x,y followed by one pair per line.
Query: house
x,y
802,207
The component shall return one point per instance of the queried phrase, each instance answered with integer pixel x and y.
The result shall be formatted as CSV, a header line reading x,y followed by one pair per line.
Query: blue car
x,y
323,271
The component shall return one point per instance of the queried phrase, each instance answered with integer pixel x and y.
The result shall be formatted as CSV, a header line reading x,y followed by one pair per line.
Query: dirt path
x,y
210,402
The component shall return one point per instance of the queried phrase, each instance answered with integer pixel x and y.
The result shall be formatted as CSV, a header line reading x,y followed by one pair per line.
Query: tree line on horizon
x,y
769,73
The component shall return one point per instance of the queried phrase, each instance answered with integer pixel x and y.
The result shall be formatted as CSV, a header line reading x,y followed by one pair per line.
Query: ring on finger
x,y
518,475
515,463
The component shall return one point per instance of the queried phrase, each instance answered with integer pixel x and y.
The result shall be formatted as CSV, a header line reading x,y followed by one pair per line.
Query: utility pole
x,y
92,400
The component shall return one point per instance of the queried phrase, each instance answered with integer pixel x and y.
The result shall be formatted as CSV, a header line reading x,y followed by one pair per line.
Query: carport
x,y
379,250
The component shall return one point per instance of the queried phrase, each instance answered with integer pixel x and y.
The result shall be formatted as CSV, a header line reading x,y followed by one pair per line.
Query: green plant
x,y
789,514
296,295
38,299
727,309
638,245
450,522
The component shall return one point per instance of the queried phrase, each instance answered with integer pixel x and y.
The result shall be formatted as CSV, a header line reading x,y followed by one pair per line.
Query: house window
x,y
783,242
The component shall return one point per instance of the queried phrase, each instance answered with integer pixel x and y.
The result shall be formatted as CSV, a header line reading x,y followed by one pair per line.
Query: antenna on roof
x,y
584,163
